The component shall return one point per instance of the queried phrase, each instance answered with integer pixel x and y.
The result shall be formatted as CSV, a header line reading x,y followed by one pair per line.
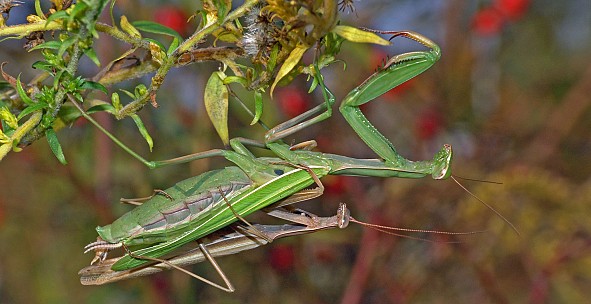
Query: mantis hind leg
x,y
228,288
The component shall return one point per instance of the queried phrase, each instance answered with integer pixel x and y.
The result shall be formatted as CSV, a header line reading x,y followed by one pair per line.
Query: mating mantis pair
x,y
234,239
201,205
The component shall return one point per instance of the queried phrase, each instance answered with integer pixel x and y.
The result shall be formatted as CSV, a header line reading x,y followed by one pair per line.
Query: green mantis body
x,y
201,205
198,206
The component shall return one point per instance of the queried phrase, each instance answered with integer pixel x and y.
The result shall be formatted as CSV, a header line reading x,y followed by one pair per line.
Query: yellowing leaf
x,y
216,104
291,61
354,34
128,28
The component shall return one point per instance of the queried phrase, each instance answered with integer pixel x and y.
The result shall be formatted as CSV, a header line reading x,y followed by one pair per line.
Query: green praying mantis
x,y
199,206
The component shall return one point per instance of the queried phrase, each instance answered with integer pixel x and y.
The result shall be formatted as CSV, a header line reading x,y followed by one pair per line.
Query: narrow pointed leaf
x,y
354,34
103,107
258,107
55,16
38,9
173,46
65,45
292,60
156,28
32,108
91,54
216,104
21,92
92,85
53,44
55,146
143,130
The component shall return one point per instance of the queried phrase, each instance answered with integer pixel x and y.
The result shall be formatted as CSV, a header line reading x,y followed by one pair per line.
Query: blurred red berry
x,y
80,122
335,184
292,101
512,9
325,254
488,21
428,125
282,258
173,17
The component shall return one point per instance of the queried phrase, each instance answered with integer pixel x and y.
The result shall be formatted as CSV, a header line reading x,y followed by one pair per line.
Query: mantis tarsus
x,y
201,205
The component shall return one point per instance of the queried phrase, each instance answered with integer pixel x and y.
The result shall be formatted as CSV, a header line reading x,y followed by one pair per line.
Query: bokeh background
x,y
512,94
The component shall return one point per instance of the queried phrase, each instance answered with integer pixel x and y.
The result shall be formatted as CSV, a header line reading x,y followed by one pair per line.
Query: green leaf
x,y
128,93
91,54
292,60
38,10
53,44
216,104
223,6
173,46
32,108
91,85
235,79
56,16
79,8
354,34
313,85
57,78
65,45
21,92
44,66
332,43
55,146
111,12
258,107
273,58
156,28
104,107
143,130
140,91
116,102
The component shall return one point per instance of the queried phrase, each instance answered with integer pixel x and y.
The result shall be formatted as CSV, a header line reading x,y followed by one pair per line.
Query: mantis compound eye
x,y
278,171
343,216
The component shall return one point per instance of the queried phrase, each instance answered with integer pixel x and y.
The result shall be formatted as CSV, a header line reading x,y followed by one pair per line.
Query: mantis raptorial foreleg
x,y
396,71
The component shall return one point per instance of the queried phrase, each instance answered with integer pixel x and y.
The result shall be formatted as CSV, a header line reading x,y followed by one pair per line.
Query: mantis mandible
x,y
200,205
